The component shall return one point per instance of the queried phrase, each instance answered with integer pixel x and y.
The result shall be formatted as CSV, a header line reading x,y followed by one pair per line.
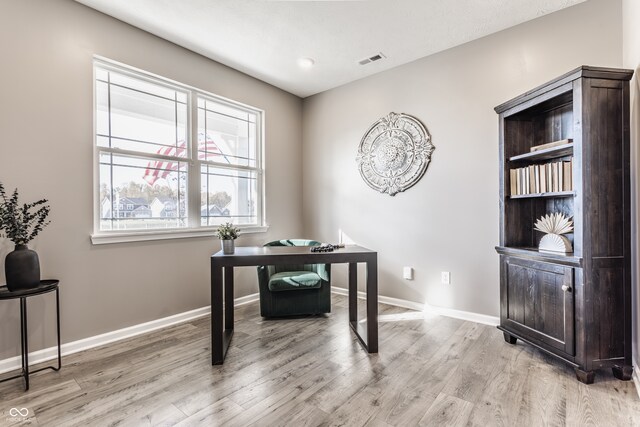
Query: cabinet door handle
x,y
566,288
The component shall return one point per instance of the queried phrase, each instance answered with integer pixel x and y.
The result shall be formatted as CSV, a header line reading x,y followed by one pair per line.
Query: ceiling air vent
x,y
376,57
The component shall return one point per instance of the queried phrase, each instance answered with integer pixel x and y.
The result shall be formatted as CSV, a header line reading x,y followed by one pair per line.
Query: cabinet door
x,y
539,303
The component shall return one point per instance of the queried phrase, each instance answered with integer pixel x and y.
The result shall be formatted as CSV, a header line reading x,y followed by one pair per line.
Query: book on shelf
x,y
560,173
551,177
551,144
532,180
567,183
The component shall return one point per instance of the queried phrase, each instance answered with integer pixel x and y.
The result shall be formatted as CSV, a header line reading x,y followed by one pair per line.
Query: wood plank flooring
x,y
311,371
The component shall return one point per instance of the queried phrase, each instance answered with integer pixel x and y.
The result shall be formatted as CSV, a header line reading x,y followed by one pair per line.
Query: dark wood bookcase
x,y
575,306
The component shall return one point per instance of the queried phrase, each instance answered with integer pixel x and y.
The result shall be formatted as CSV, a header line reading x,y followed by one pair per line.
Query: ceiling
x,y
266,38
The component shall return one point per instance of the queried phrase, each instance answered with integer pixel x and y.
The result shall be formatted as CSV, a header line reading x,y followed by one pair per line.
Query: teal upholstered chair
x,y
290,290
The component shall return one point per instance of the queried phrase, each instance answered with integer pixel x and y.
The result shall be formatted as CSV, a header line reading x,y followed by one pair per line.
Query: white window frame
x,y
194,228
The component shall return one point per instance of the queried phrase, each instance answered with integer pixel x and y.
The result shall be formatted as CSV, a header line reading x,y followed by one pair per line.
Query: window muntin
x,y
151,160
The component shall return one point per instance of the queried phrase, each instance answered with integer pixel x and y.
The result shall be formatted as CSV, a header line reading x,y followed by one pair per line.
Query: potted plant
x,y
21,224
227,233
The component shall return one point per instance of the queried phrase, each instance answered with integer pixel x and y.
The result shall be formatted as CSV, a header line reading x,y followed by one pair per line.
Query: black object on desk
x,y
44,287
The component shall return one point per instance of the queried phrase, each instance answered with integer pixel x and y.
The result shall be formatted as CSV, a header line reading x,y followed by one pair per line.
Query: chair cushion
x,y
294,280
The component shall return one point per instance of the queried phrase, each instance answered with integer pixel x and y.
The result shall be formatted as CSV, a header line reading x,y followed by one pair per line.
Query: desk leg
x,y
370,330
221,324
217,351
353,292
372,306
228,299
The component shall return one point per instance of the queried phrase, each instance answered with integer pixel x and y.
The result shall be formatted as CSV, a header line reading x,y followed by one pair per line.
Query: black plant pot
x,y
22,268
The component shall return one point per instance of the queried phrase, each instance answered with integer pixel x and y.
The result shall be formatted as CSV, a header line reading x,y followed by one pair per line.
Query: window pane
x,y
228,195
140,193
102,110
181,131
226,110
252,147
145,118
137,115
141,85
225,135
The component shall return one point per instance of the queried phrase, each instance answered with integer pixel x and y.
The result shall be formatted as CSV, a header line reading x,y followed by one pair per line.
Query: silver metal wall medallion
x,y
394,153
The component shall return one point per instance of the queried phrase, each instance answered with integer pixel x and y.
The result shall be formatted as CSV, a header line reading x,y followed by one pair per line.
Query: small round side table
x,y
44,287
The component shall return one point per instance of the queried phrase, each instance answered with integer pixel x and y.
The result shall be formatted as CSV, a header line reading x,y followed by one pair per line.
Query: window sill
x,y
144,236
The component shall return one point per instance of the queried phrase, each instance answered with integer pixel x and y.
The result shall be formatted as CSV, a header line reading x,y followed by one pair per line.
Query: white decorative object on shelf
x,y
555,225
555,243
394,153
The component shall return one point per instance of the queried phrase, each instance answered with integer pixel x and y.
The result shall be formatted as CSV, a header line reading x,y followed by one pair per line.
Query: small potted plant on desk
x,y
227,233
21,224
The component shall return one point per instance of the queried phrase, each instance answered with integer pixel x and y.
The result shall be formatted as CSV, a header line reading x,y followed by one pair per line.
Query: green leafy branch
x,y
228,232
22,223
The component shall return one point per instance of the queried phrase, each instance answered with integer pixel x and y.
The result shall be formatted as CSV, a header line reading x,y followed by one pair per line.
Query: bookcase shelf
x,y
549,194
546,154
533,253
576,306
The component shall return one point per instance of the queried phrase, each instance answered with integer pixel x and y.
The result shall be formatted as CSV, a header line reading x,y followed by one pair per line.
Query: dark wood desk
x,y
222,278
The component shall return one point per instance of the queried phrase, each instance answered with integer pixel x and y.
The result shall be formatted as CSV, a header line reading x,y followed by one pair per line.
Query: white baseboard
x,y
385,300
246,299
449,312
51,353
465,315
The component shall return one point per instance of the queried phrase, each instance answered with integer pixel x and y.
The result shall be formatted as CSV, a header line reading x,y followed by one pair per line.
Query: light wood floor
x,y
311,371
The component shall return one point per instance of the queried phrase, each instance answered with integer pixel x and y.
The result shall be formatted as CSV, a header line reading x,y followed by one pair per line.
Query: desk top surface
x,y
302,254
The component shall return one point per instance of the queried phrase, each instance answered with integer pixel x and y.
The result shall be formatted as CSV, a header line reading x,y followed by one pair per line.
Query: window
x,y
172,158
229,174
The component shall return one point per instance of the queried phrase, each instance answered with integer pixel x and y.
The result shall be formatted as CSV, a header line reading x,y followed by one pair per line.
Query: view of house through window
x,y
153,163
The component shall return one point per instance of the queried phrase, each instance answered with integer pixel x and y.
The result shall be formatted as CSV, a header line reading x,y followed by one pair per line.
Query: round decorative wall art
x,y
394,153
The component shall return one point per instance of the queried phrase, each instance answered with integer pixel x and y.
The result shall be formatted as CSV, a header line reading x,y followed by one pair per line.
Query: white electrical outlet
x,y
407,273
446,278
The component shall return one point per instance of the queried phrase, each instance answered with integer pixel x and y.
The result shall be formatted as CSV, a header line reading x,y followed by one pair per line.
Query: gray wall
x,y
449,220
631,59
46,114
